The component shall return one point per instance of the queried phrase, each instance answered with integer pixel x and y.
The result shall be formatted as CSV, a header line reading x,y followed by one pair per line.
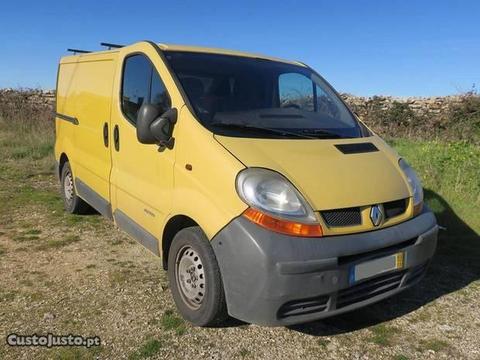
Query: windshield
x,y
252,97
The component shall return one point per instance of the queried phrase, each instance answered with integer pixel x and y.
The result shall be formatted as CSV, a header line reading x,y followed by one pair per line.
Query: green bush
x,y
465,119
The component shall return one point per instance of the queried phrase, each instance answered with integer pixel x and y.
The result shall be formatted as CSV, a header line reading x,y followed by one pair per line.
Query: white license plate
x,y
377,267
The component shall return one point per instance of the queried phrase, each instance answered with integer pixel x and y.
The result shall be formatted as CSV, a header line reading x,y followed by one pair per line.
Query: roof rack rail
x,y
77,51
111,46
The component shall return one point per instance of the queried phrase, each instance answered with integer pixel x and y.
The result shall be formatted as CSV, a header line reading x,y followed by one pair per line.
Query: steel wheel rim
x,y
68,188
190,277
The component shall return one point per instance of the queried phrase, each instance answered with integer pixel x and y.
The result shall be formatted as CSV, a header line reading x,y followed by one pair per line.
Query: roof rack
x,y
111,46
77,51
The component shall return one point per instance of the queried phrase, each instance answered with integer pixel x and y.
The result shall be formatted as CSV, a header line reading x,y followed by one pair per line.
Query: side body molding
x,y
136,231
93,199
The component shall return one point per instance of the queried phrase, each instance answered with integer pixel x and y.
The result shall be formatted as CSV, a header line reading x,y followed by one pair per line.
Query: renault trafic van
x,y
264,195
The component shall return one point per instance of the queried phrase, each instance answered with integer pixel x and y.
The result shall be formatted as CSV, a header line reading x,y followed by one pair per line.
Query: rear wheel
x,y
195,279
71,201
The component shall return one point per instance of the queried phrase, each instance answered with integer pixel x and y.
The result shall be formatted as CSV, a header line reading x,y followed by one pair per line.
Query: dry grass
x,y
26,128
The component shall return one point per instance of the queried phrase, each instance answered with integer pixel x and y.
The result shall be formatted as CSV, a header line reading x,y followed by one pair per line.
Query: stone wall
x,y
446,118
421,106
34,97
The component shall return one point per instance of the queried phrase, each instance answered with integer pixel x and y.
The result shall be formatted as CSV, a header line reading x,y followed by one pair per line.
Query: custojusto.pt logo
x,y
50,340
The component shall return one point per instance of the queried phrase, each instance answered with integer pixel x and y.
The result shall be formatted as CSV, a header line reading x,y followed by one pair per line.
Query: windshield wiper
x,y
317,133
262,129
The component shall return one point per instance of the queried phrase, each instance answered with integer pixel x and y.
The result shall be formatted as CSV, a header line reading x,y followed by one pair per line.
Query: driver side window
x,y
141,84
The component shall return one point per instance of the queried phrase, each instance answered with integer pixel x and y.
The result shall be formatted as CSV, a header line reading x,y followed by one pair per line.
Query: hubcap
x,y
68,187
190,277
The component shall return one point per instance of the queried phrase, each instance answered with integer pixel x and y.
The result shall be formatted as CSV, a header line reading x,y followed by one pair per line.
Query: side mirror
x,y
162,128
147,114
155,128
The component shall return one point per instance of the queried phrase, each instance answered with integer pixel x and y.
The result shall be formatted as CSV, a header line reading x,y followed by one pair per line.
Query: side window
x,y
296,91
141,84
326,105
137,73
158,93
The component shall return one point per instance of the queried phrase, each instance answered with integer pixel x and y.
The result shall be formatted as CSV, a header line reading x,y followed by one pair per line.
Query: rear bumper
x,y
273,279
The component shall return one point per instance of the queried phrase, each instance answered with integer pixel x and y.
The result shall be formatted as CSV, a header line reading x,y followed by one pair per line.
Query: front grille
x,y
394,208
352,216
342,217
369,288
305,306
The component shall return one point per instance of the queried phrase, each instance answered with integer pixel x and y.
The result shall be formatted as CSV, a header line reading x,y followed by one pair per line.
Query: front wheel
x,y
195,279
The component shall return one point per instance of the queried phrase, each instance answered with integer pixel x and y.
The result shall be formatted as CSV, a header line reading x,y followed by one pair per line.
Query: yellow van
x,y
266,198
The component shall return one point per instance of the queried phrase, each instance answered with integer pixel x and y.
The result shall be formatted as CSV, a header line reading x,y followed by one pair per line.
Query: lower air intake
x,y
370,288
305,306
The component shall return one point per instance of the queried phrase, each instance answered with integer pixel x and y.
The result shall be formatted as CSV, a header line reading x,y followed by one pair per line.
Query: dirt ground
x,y
65,274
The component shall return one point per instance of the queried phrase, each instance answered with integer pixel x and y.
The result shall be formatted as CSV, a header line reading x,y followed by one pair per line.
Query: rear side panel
x,y
83,111
64,130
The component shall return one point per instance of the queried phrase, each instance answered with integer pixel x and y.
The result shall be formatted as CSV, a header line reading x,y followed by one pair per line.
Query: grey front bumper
x,y
274,279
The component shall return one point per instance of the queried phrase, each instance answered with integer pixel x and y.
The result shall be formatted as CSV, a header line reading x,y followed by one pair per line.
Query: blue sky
x,y
401,48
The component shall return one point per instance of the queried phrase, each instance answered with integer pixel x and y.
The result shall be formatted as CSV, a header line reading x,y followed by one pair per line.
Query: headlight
x,y
275,203
414,183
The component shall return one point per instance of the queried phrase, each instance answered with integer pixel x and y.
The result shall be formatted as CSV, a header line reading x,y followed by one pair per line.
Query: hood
x,y
327,177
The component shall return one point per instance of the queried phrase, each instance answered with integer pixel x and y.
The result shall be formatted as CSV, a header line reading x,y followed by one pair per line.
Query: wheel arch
x,y
172,227
63,159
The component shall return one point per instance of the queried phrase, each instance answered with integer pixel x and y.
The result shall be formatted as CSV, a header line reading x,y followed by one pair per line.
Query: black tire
x,y
212,310
72,203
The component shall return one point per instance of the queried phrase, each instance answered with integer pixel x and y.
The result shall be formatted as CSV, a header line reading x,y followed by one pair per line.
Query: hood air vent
x,y
358,148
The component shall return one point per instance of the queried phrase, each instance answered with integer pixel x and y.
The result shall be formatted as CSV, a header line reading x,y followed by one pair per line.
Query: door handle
x,y
105,134
116,138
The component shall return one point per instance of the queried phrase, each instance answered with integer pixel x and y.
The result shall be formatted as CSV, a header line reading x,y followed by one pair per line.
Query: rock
x,y
446,328
48,317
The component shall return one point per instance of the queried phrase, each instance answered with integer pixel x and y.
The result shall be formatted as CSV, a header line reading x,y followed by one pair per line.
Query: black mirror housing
x,y
147,114
153,128
162,128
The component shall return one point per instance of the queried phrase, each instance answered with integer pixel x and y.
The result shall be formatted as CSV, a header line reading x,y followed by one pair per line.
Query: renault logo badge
x,y
376,215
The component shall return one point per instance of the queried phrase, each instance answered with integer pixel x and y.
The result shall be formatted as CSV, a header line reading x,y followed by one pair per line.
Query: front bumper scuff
x,y
274,279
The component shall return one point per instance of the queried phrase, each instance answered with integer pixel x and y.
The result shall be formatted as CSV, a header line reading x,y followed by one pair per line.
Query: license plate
x,y
376,267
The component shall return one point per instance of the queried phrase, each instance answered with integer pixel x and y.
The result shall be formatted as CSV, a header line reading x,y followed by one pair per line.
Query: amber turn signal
x,y
417,209
283,226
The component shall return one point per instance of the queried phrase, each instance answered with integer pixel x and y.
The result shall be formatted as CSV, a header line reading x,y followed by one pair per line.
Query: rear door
x,y
91,98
